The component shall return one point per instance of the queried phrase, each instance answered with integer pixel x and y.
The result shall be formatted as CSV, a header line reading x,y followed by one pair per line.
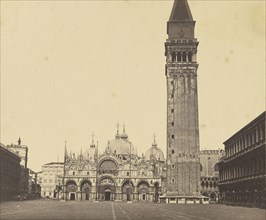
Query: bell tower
x,y
183,168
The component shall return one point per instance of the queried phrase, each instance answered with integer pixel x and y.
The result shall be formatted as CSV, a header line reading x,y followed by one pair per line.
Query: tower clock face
x,y
181,33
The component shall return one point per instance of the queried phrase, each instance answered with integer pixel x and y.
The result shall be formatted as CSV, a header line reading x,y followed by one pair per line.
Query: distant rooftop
x,y
211,151
55,163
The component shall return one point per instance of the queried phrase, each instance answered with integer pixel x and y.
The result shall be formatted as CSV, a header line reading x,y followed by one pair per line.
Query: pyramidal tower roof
x,y
181,11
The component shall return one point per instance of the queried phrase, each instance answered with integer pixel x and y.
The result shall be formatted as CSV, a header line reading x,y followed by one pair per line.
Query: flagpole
x,y
64,173
130,188
96,175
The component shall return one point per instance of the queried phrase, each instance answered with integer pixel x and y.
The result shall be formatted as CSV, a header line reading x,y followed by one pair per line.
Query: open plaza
x,y
53,209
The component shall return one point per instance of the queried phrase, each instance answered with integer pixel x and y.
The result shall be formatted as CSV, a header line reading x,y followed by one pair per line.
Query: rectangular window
x,y
127,173
173,180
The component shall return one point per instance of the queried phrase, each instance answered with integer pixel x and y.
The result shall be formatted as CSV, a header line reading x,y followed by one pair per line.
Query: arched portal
x,y
127,190
85,190
143,190
71,189
106,189
216,167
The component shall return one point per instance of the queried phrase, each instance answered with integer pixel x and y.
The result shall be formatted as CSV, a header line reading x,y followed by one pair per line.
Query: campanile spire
x,y
183,174
181,24
181,11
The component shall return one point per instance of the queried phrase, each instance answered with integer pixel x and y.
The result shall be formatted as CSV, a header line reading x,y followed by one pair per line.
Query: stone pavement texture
x,y
51,209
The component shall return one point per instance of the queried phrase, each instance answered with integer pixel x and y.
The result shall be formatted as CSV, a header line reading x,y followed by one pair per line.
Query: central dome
x,y
121,147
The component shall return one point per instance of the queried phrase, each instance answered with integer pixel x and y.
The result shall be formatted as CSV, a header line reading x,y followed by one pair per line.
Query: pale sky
x,y
73,68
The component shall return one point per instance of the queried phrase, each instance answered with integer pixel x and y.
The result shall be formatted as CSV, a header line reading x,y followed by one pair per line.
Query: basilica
x,y
117,174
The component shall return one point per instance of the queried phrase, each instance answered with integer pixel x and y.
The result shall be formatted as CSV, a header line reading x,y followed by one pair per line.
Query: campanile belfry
x,y
183,174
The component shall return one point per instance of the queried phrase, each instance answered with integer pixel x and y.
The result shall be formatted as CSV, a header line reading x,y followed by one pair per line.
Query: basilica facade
x,y
117,174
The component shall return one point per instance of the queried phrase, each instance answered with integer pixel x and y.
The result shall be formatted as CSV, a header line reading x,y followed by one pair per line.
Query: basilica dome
x,y
121,146
154,152
124,136
90,152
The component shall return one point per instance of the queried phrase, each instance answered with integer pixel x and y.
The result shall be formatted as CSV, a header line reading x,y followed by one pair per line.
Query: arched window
x,y
184,57
179,57
216,168
189,57
201,167
108,166
173,57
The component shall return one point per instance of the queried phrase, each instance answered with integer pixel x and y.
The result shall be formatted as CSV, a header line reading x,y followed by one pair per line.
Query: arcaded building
x,y
117,174
242,169
209,173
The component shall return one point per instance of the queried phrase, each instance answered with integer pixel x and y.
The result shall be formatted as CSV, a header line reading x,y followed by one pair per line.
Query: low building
x,y
242,169
34,187
209,173
49,180
38,184
9,173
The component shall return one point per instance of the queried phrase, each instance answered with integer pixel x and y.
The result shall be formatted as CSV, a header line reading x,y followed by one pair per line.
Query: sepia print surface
x,y
132,109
